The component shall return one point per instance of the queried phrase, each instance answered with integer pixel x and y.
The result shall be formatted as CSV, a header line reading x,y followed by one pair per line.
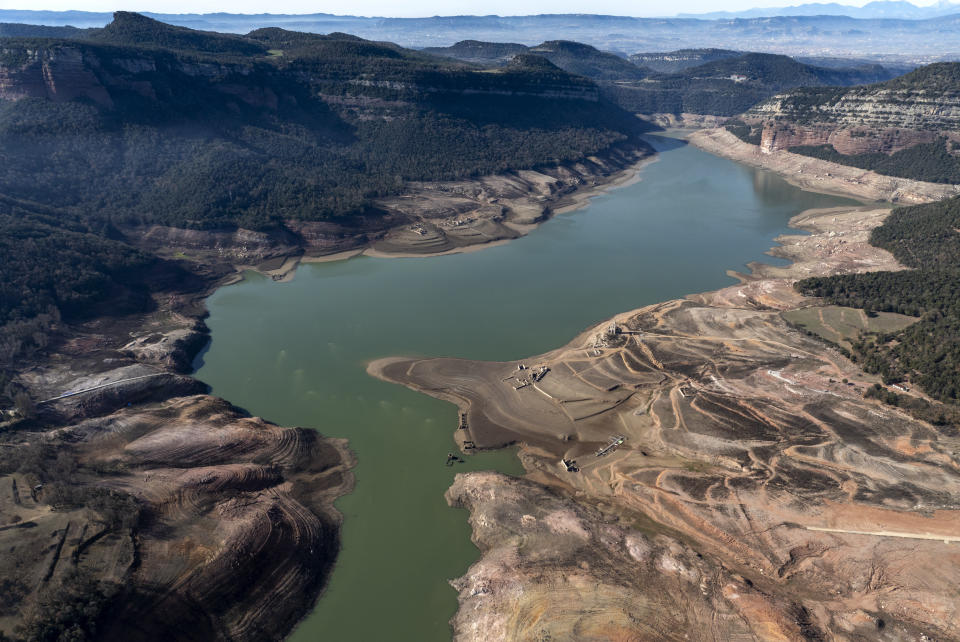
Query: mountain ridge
x,y
918,40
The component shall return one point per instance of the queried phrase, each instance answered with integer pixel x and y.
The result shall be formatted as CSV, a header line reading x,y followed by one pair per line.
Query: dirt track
x,y
745,450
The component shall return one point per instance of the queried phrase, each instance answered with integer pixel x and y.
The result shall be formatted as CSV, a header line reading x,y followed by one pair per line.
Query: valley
x,y
204,233
744,469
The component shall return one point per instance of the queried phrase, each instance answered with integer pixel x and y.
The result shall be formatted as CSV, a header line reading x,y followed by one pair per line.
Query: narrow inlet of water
x,y
295,353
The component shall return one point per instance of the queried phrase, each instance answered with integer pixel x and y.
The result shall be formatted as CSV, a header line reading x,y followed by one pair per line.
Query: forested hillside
x,y
935,162
19,30
588,61
224,130
573,57
925,238
56,268
141,123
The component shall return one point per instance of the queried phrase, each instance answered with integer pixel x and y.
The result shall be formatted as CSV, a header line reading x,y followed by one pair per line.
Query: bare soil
x,y
755,495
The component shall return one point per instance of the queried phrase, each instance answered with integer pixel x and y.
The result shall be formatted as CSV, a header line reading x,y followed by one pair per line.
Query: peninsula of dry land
x,y
705,469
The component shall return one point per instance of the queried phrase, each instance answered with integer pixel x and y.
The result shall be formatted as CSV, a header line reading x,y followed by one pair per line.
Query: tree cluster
x,y
933,162
923,237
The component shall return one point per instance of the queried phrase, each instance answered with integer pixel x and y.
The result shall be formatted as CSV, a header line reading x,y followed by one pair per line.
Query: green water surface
x,y
295,353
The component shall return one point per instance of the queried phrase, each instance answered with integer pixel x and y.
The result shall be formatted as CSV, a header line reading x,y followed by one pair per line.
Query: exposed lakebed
x,y
295,353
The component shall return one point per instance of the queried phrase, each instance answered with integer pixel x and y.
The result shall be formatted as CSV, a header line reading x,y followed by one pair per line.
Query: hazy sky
x,y
414,7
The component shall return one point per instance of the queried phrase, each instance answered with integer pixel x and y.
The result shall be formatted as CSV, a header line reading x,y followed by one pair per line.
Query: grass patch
x,y
842,325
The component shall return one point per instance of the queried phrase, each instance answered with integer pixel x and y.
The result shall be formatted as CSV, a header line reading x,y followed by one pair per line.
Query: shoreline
x,y
727,350
825,177
753,288
783,247
565,204
283,268
561,204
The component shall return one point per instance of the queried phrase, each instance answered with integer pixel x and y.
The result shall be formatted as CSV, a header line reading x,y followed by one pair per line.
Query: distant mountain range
x,y
881,9
887,39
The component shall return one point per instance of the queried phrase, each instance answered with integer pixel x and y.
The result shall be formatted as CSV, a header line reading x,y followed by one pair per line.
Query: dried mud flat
x,y
198,521
231,531
756,495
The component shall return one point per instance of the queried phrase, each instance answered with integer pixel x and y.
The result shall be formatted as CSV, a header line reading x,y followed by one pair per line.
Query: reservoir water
x,y
295,353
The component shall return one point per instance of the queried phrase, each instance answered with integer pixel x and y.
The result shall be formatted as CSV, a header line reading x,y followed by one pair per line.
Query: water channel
x,y
295,353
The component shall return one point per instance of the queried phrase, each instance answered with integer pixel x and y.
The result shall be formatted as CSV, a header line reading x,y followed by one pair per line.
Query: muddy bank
x,y
233,529
173,513
754,482
427,219
822,176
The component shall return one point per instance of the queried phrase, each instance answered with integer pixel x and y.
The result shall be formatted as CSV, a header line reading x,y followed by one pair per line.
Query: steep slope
x,y
225,130
713,82
904,127
134,29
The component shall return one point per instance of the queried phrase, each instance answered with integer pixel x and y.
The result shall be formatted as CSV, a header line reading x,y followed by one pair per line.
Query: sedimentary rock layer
x,y
823,176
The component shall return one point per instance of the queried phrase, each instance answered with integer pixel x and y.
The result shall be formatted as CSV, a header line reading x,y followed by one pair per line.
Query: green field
x,y
839,324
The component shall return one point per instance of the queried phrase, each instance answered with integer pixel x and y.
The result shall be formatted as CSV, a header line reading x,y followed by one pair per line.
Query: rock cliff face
x,y
57,73
888,117
822,176
96,72
846,140
64,72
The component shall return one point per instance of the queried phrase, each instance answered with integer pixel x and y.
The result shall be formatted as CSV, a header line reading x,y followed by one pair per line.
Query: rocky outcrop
x,y
869,108
685,120
822,176
237,246
99,394
888,117
58,73
783,135
174,349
